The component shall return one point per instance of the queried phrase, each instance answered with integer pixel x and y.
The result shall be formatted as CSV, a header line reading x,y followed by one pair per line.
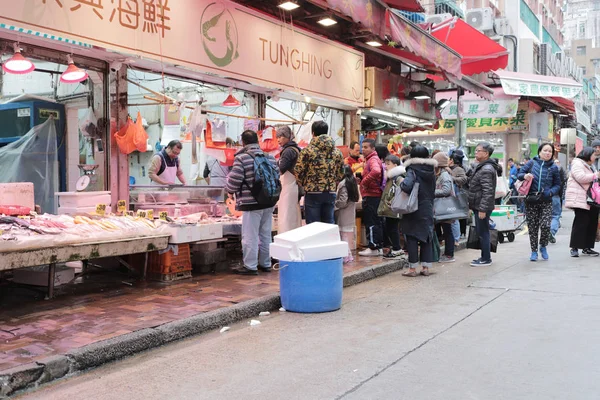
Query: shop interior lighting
x,y
402,117
307,99
288,5
231,101
73,74
374,43
443,103
327,21
308,115
18,64
554,111
388,122
419,95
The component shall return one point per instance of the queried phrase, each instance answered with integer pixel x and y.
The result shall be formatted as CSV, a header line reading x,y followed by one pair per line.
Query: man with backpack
x,y
254,179
319,169
371,191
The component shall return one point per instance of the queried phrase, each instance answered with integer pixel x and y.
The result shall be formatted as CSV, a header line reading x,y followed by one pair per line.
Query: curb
x,y
33,375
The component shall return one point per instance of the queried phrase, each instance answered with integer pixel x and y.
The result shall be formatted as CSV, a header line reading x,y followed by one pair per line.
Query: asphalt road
x,y
515,330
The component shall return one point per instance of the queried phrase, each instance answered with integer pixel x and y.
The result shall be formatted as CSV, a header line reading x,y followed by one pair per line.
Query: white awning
x,y
518,84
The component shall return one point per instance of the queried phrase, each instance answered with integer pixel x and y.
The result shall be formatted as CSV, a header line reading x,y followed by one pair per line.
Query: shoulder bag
x,y
405,203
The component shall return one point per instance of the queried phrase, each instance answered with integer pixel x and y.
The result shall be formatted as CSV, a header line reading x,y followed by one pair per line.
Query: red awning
x,y
405,5
479,53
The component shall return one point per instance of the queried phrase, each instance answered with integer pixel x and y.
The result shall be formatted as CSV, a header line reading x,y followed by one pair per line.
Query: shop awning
x,y
473,106
479,53
532,85
405,5
426,47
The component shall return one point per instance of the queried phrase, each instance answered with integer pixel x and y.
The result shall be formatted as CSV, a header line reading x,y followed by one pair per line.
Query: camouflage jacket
x,y
320,166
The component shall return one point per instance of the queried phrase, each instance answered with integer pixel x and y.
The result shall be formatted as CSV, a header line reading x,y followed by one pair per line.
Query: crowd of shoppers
x,y
333,187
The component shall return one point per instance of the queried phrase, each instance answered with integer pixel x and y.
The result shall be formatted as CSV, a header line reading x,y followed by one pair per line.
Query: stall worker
x,y
288,209
165,167
354,159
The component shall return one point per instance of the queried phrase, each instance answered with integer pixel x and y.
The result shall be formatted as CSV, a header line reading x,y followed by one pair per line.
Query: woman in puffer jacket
x,y
391,233
545,183
443,188
585,224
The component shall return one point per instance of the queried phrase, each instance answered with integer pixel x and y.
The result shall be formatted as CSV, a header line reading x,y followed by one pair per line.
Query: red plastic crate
x,y
14,210
169,263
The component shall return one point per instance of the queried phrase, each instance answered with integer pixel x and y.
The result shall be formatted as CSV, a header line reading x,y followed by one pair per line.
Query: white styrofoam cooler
x,y
192,233
17,194
314,242
38,276
76,210
309,253
83,199
309,235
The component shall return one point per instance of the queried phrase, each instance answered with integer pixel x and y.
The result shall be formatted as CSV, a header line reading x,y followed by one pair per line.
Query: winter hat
x,y
442,159
595,142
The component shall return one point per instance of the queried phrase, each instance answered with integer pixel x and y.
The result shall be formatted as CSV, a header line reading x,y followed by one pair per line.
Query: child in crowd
x,y
345,209
391,234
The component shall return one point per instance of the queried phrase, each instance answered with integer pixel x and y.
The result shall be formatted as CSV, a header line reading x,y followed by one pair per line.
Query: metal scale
x,y
89,179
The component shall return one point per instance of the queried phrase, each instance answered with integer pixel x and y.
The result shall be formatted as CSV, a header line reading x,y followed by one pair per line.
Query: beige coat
x,y
345,211
580,178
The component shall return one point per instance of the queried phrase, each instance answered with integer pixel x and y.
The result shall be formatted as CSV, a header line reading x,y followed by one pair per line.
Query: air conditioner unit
x,y
438,18
502,27
481,19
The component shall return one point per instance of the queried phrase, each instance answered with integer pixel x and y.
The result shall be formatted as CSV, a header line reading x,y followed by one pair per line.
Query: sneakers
x,y
371,253
264,269
393,254
574,253
544,252
244,271
446,259
481,263
534,256
590,252
552,238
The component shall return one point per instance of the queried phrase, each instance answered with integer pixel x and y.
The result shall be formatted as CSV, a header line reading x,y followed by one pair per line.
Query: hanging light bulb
x,y
18,64
73,74
231,101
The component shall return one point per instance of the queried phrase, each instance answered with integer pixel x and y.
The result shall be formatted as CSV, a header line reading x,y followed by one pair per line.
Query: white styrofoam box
x,y
319,252
38,276
76,210
17,194
192,233
83,199
308,235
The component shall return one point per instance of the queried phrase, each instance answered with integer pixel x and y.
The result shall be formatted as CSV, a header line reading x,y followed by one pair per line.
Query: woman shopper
x,y
444,188
345,209
418,226
391,231
545,183
585,224
459,176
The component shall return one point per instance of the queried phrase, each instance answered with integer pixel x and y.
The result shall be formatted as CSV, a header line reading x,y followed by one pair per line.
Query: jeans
x,y
391,234
483,230
319,207
256,237
556,214
448,239
412,246
372,222
456,230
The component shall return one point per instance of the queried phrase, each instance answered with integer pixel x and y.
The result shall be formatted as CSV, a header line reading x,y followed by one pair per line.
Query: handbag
x,y
593,199
473,241
405,203
451,207
523,187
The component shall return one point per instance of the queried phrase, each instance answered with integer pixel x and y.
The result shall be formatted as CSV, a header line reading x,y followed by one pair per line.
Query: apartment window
x,y
583,70
580,51
582,30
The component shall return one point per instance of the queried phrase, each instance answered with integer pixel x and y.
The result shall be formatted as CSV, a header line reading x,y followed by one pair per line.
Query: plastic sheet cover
x,y
33,158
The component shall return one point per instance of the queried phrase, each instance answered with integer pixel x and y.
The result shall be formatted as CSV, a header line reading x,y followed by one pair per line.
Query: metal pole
x,y
460,130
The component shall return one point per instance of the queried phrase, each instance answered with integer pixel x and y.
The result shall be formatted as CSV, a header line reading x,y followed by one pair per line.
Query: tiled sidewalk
x,y
38,329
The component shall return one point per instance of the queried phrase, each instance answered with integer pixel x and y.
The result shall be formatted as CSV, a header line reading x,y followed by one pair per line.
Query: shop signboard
x,y
518,123
504,108
518,87
219,37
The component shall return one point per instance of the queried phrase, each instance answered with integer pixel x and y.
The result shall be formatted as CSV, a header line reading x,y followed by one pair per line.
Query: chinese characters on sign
x,y
519,122
540,89
482,109
151,15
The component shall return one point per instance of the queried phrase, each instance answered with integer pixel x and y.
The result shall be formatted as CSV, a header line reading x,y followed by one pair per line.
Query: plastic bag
x,y
140,139
501,187
304,136
88,125
196,125
125,137
268,140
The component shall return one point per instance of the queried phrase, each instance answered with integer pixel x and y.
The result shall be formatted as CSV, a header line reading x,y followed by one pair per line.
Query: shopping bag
x,y
436,248
125,137
405,203
523,188
451,207
473,241
501,187
140,137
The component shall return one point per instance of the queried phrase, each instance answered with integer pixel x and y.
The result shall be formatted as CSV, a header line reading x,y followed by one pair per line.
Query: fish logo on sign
x,y
219,34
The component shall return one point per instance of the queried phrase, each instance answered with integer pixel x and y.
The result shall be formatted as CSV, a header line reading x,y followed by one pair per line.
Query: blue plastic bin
x,y
311,286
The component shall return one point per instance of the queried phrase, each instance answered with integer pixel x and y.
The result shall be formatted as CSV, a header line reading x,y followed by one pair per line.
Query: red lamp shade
x,y
18,64
231,101
73,74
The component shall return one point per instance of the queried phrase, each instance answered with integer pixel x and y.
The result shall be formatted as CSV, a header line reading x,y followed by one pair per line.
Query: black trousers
x,y
585,224
391,233
412,245
372,222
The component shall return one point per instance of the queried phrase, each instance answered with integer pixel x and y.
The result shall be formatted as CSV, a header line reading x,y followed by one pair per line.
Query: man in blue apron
x,y
164,167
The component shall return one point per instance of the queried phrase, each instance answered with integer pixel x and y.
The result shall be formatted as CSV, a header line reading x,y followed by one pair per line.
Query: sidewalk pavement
x,y
42,341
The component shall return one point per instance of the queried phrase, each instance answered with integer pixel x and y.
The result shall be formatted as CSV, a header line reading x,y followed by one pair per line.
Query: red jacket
x,y
370,185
